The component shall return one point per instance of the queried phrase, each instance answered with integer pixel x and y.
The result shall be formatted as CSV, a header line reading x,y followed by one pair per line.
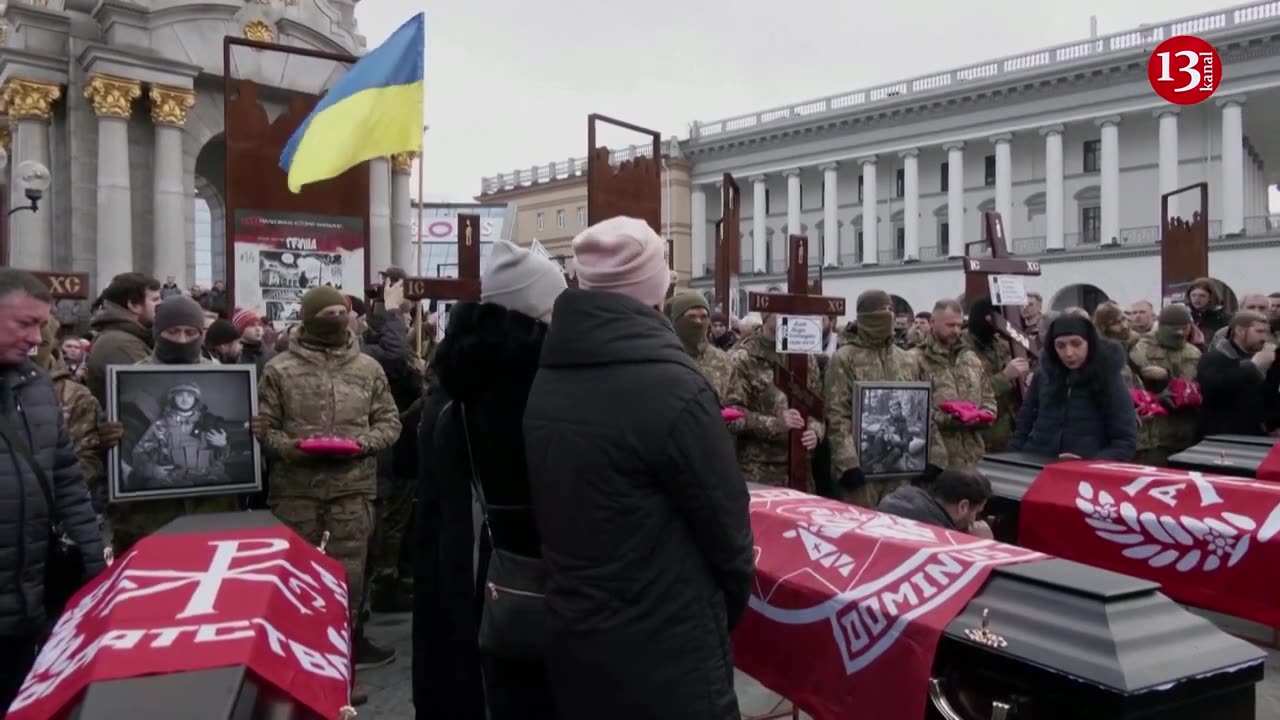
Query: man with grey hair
x,y
1254,302
1142,317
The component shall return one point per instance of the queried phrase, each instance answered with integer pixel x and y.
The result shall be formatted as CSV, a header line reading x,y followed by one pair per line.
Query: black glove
x,y
852,479
931,473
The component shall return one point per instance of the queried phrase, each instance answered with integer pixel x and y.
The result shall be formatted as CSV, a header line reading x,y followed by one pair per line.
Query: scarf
x,y
172,353
692,333
330,332
876,327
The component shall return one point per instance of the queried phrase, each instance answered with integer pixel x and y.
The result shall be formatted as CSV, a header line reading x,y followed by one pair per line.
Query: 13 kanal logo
x,y
1185,70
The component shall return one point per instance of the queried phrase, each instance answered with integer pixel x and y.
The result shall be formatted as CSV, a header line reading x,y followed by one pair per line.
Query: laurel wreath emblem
x,y
1162,540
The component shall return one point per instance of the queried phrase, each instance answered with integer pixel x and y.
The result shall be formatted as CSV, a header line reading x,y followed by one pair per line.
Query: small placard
x,y
1007,290
442,317
799,334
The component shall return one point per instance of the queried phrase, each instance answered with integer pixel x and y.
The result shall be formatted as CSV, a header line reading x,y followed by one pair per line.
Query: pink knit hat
x,y
243,319
623,255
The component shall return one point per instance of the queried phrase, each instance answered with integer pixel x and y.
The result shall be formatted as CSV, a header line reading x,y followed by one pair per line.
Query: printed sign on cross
x,y
793,380
976,271
465,287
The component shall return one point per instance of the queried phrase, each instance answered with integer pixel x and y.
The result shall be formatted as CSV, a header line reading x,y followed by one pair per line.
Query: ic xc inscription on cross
x,y
793,379
976,271
465,287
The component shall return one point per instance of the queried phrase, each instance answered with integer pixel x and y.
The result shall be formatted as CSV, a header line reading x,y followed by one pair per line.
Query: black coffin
x,y
1236,455
1011,474
224,694
1070,642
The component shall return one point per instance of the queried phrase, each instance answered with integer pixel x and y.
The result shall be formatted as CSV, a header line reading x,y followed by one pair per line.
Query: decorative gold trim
x,y
259,31
6,138
29,99
112,96
4,33
983,635
403,162
169,105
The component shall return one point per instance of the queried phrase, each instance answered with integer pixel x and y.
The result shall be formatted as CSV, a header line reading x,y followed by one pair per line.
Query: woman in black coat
x,y
1078,406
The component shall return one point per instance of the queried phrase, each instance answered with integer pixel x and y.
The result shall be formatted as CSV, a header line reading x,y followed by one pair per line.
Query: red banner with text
x,y
1209,540
849,603
262,598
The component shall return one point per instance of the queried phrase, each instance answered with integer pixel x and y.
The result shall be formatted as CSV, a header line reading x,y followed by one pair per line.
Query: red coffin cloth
x,y
1269,470
1209,540
849,604
262,598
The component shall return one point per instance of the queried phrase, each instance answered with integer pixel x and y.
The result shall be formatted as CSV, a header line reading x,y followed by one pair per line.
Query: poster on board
x,y
281,255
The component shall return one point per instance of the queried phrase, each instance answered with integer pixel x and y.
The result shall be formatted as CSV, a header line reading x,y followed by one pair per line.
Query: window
x,y
822,200
857,250
1090,224
860,177
900,183
1092,153
542,222
582,216
560,219
766,201
989,171
204,243
900,242
944,238
944,176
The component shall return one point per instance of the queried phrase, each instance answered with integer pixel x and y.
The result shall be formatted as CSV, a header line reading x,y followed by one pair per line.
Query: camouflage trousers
x,y
127,523
870,494
395,512
349,522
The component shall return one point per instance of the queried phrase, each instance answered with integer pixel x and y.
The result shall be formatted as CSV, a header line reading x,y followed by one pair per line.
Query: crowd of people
x,y
558,488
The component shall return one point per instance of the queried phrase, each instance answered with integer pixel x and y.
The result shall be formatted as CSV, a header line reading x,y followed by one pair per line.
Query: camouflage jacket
x,y
309,391
1177,430
762,437
83,415
858,360
956,374
994,358
717,368
174,451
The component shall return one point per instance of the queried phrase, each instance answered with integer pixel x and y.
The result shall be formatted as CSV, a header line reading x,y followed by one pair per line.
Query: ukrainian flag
x,y
375,110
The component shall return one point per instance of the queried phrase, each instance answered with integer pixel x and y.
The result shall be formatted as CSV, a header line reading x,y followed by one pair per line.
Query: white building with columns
x,y
123,101
1070,144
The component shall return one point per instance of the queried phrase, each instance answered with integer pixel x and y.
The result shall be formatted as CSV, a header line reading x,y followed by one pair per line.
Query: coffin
x,y
262,662
1025,637
1238,455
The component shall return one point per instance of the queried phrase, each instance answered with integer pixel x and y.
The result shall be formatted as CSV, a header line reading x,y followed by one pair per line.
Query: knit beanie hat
x,y
177,311
220,332
873,301
319,298
1176,314
521,281
623,255
682,303
245,319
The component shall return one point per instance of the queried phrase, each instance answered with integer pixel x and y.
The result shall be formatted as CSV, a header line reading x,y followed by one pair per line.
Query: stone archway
x,y
1081,295
1230,302
210,241
901,306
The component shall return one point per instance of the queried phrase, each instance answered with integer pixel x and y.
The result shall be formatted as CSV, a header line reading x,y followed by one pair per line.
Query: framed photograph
x,y
892,421
186,431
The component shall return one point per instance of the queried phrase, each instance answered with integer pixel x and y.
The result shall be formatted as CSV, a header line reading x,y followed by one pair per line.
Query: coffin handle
x,y
938,696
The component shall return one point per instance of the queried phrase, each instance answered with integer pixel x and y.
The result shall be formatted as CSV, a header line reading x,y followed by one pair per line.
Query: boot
x,y
359,694
369,656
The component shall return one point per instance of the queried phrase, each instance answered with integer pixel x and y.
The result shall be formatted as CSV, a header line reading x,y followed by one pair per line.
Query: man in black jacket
x,y
1239,380
32,429
953,501
642,509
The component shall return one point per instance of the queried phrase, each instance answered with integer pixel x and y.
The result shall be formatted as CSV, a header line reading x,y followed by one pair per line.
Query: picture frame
x,y
892,442
186,431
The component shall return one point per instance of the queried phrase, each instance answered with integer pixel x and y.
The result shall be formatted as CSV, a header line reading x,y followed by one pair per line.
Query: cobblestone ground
x,y
391,690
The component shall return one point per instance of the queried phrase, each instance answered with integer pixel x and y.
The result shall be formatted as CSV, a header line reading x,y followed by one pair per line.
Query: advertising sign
x,y
280,255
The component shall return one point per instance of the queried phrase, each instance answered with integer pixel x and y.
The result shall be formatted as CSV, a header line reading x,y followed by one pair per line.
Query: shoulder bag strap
x,y
23,450
475,477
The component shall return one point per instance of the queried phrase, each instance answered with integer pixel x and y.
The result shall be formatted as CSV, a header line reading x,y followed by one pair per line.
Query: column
x,y
870,221
1053,189
30,105
1004,179
379,216
955,199
402,212
1167,119
169,106
698,231
759,239
793,202
1110,161
911,205
1232,165
830,214
112,99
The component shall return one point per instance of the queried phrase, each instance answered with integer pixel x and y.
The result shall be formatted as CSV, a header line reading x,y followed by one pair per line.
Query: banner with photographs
x,y
280,255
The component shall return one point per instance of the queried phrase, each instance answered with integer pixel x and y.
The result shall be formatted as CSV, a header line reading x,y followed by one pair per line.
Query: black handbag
x,y
513,619
64,571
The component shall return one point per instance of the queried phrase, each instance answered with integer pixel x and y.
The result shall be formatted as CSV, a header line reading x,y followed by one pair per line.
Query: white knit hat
x,y
521,281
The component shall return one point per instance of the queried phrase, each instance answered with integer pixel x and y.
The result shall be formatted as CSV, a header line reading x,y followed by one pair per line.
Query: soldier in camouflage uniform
x,y
1005,372
956,375
181,448
763,435
689,313
324,386
1160,357
867,353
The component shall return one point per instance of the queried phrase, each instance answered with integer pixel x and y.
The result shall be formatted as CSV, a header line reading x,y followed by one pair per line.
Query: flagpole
x,y
422,320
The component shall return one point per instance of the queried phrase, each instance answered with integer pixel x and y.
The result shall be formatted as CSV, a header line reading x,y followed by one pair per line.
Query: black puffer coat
x,y
643,517
28,403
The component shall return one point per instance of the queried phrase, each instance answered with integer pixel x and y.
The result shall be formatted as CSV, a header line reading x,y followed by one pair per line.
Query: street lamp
x,y
32,177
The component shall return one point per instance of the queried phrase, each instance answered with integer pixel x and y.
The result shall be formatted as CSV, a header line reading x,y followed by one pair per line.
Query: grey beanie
x,y
521,281
178,311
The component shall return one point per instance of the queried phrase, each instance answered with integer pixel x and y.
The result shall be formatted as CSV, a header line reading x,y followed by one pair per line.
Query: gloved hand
x,y
290,453
109,434
931,473
981,417
852,479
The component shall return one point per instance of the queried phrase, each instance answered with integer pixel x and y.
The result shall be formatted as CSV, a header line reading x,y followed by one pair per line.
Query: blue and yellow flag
x,y
375,110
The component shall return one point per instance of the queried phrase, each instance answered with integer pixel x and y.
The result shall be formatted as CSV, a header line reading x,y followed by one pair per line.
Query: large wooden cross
x,y
794,378
465,287
976,271
728,247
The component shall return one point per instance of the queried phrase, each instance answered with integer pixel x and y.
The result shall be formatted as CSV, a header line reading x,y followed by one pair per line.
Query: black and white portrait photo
x,y
893,423
186,431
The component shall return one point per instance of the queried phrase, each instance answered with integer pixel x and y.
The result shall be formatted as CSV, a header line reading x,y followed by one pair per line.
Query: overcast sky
x,y
509,83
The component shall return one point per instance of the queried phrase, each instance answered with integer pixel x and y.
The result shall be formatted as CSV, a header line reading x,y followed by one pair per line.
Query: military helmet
x,y
184,387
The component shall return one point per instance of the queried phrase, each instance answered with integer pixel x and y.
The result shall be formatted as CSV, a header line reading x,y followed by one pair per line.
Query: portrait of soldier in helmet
x,y
185,446
894,428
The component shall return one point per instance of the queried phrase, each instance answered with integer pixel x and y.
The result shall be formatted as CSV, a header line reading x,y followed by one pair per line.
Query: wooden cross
x,y
64,285
793,379
728,246
976,271
465,287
